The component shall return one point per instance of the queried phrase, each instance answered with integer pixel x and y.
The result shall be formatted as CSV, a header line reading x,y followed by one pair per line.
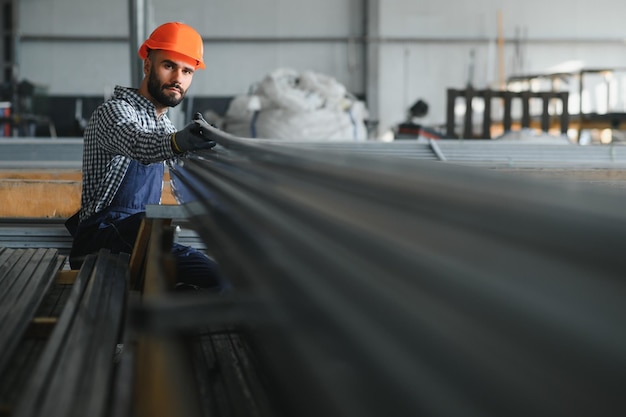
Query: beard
x,y
157,91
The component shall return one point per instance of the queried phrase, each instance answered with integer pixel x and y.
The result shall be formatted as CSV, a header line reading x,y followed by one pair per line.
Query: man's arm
x,y
120,130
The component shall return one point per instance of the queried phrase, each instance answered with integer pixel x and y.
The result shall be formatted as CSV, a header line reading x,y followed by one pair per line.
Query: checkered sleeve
x,y
121,130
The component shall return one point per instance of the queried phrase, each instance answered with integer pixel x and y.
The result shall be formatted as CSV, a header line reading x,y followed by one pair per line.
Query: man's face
x,y
169,78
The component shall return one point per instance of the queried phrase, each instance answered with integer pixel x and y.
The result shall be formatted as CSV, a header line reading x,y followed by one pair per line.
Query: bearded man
x,y
127,142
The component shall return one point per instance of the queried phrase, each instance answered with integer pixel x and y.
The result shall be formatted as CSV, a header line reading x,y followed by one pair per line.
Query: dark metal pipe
x,y
400,287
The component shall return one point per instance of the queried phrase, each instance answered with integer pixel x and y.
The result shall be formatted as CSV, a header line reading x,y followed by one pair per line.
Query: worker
x,y
127,142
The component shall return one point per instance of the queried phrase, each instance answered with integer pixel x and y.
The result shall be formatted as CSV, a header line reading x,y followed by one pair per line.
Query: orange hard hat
x,y
176,37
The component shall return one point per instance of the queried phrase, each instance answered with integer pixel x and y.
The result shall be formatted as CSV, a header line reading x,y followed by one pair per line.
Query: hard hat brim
x,y
143,54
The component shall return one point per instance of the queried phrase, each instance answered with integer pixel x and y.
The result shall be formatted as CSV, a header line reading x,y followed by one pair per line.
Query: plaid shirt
x,y
124,128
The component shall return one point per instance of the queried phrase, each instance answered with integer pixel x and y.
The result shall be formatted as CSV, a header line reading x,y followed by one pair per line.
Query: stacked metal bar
x,y
26,275
389,286
75,369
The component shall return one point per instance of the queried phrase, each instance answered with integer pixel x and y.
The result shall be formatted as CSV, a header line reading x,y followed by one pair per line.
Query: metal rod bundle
x,y
390,286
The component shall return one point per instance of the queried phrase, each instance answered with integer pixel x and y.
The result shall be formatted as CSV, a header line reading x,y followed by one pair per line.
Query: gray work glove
x,y
196,135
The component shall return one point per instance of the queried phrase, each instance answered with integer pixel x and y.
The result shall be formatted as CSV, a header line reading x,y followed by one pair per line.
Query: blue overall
x,y
117,226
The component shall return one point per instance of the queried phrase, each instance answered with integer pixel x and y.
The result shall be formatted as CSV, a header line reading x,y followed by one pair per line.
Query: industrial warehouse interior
x,y
414,208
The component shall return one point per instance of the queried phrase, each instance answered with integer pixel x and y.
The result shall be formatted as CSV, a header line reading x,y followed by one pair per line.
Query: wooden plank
x,y
164,380
161,237
67,277
36,198
41,327
138,257
164,383
49,193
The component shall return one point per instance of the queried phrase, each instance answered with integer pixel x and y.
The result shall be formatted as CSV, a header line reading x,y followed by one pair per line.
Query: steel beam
x,y
397,287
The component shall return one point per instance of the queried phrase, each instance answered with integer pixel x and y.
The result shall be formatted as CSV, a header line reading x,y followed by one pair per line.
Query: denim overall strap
x,y
142,185
116,226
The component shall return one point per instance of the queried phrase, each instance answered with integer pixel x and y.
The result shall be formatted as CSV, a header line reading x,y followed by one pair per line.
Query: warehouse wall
x,y
234,31
426,46
392,51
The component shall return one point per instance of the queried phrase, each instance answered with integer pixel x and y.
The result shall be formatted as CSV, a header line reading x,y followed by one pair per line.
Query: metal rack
x,y
545,121
605,114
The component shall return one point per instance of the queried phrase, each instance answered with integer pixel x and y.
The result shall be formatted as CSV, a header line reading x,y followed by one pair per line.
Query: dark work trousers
x,y
116,228
192,266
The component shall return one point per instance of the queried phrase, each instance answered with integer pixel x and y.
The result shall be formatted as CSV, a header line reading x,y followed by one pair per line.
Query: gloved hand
x,y
196,135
